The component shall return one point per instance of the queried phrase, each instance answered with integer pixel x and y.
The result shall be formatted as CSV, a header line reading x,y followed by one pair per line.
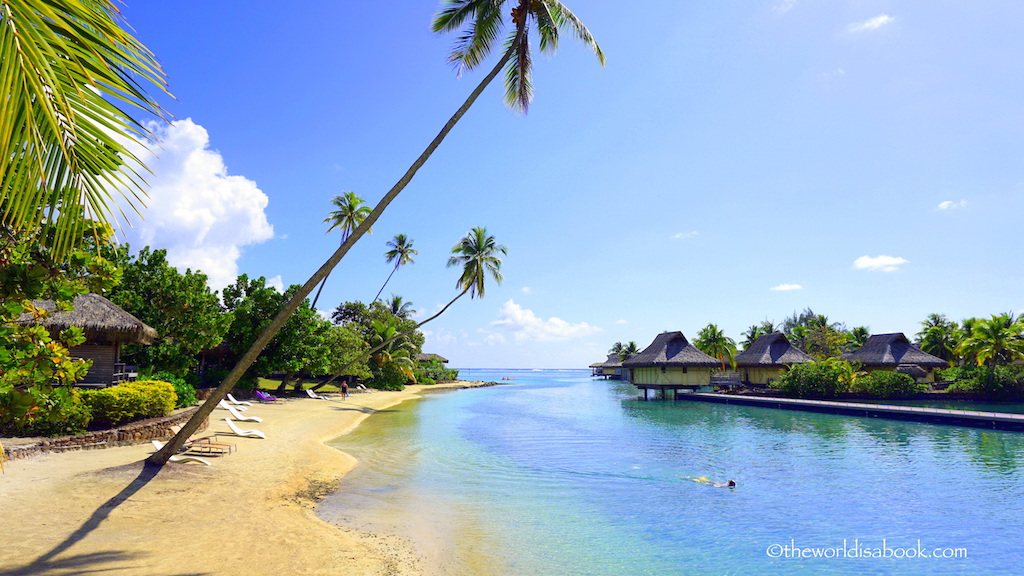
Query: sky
x,y
734,161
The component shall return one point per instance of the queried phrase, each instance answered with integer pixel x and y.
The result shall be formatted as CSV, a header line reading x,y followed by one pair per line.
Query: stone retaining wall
x,y
132,433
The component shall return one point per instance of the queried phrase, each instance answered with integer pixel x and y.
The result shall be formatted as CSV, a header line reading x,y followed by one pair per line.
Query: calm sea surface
x,y
562,474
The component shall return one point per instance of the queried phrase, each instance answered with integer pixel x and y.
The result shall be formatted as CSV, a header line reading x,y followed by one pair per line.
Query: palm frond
x,y
63,66
563,16
547,28
474,45
518,81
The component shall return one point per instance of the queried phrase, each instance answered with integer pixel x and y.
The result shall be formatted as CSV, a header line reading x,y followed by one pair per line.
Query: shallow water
x,y
562,474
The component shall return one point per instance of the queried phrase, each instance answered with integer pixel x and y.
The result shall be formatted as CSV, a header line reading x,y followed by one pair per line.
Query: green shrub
x,y
888,384
813,380
60,411
389,378
1003,383
425,380
436,371
131,401
186,392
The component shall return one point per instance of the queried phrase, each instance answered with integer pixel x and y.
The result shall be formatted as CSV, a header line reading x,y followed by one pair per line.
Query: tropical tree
x,y
616,348
399,307
401,253
391,359
629,350
349,214
713,342
69,72
999,339
858,337
940,337
484,20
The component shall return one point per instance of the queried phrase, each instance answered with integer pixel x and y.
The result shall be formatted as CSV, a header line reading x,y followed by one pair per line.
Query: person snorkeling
x,y
704,480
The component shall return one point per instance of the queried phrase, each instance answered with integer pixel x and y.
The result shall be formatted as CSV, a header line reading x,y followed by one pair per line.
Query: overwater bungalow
x,y
670,364
768,358
895,352
106,326
610,368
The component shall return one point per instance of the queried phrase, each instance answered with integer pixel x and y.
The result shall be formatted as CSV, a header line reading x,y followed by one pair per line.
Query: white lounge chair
x,y
180,457
238,402
224,404
247,433
237,415
314,395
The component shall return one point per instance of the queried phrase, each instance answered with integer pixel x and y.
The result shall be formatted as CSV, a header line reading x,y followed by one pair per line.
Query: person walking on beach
x,y
344,389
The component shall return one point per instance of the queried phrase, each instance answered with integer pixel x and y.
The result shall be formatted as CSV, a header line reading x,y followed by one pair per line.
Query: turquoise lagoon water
x,y
563,474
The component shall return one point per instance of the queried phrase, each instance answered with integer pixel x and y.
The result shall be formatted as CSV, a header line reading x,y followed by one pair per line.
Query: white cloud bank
x,y
951,205
197,211
786,287
784,6
879,263
526,326
871,23
685,235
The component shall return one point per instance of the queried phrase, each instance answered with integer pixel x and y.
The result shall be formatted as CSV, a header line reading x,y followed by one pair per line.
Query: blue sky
x,y
734,161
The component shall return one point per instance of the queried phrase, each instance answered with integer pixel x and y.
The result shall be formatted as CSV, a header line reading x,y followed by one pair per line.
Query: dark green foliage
x,y
888,384
813,380
1000,383
131,401
426,381
436,371
388,377
185,313
55,412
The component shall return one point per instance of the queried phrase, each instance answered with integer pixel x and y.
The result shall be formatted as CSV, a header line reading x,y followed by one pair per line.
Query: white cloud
x,y
526,290
879,263
787,287
526,326
276,283
685,235
623,321
951,205
197,211
832,74
784,6
871,23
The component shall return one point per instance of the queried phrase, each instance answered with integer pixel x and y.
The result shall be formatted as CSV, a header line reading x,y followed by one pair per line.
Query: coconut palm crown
x,y
477,253
481,22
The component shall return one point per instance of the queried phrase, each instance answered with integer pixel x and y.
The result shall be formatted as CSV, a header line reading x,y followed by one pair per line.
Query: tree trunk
x,y
161,456
393,270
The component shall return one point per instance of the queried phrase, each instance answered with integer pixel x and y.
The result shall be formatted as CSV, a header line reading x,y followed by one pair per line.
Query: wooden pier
x,y
973,419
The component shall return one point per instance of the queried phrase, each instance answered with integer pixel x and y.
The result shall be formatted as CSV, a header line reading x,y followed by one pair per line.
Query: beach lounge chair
x,y
180,457
246,433
237,415
314,395
208,445
264,397
238,402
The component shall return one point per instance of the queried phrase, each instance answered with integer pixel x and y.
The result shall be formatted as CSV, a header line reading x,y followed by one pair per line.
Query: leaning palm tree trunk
x,y
393,270
221,392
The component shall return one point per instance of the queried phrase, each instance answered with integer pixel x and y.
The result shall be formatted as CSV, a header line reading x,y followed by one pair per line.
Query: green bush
x,y
1003,383
813,380
186,392
425,380
388,378
60,411
131,401
436,371
888,384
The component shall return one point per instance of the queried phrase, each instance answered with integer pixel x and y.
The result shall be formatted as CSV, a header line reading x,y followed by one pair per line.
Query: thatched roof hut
x,y
771,350
428,357
100,319
889,351
671,349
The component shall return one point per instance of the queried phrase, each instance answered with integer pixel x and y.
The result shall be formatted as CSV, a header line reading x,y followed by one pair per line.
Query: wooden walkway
x,y
990,420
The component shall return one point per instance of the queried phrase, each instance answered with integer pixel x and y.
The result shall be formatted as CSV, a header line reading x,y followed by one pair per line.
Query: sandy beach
x,y
249,513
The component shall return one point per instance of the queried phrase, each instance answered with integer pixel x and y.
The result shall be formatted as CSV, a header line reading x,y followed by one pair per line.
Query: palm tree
x,y
390,348
399,307
714,342
999,339
858,337
629,350
349,215
401,253
484,17
940,337
616,348
67,69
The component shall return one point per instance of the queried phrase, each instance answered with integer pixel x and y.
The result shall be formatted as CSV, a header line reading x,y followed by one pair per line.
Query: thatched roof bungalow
x,y
895,352
428,357
670,363
106,327
768,358
610,368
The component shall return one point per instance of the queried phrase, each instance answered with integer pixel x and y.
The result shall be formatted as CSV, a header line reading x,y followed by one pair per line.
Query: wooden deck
x,y
974,419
